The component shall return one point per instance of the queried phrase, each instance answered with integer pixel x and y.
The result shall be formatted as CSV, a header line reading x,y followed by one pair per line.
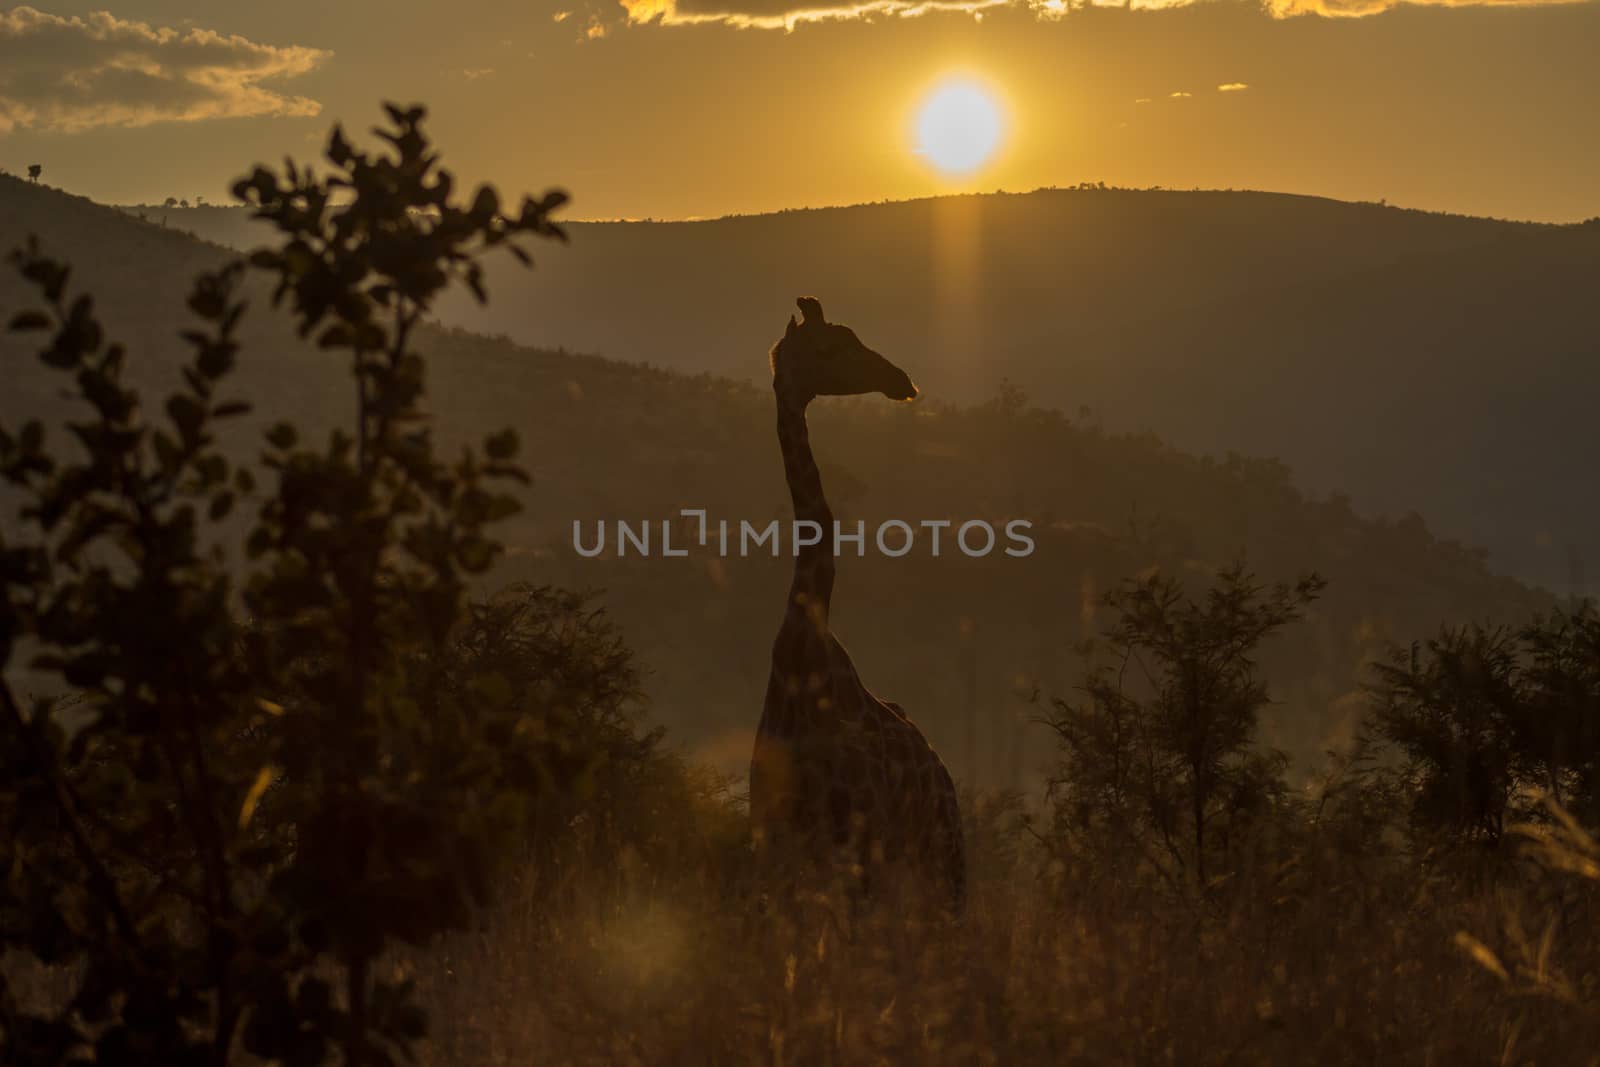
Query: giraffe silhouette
x,y
838,774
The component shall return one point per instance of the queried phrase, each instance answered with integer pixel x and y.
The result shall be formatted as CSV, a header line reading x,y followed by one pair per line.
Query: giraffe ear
x,y
810,311
793,326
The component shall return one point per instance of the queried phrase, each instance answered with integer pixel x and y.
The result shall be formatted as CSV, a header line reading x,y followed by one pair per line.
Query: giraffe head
x,y
821,358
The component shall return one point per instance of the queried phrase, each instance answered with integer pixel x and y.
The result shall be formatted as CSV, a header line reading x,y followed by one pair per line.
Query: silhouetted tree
x,y
34,170
1483,715
1451,706
229,816
1162,742
1559,734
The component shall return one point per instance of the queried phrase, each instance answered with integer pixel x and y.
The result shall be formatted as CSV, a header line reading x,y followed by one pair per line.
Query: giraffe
x,y
836,771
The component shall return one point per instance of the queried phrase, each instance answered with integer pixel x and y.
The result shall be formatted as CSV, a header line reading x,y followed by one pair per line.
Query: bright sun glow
x,y
959,127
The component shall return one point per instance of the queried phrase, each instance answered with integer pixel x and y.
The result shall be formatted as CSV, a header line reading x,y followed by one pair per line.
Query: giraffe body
x,y
837,774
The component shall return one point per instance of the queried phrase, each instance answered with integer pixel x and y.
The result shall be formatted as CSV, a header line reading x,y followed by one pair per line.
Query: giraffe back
x,y
840,774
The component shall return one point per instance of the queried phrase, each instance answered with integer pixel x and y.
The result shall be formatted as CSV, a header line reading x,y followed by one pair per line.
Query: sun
x,y
959,127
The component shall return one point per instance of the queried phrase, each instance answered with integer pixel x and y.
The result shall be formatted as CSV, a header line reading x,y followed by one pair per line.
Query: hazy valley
x,y
1414,361
612,440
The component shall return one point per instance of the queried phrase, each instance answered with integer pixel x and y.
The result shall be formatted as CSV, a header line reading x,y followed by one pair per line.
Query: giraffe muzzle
x,y
899,385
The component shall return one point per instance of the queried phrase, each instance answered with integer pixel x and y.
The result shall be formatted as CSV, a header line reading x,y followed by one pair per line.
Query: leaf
x,y
63,355
216,358
253,797
29,320
187,414
502,445
336,336
282,436
339,152
487,203
54,281
167,451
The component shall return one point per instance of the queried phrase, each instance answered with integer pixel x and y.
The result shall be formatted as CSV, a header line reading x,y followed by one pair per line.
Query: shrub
x,y
263,783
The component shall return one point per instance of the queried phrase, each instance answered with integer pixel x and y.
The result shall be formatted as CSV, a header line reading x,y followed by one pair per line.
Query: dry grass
x,y
649,948
1312,952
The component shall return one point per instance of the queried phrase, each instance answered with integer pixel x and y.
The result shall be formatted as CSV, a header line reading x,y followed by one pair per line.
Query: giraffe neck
x,y
811,592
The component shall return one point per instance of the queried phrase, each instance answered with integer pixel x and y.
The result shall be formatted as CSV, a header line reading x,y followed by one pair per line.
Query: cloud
x,y
76,73
1179,95
472,74
1233,87
1362,8
787,14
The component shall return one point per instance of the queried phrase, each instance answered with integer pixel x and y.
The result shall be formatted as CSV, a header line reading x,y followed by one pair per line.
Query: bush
x,y
263,783
1159,763
1485,719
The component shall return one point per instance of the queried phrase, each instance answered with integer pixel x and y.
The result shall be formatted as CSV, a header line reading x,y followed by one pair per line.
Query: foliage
x,y
34,170
1485,717
241,807
1167,753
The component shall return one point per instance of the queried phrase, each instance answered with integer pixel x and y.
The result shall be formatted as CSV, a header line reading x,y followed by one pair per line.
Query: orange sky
x,y
672,108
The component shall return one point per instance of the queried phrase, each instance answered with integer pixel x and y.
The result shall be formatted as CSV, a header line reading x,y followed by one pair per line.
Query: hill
x,y
1413,360
960,642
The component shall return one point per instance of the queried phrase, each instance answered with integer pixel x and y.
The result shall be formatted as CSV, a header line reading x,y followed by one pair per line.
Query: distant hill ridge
x,y
1412,359
608,440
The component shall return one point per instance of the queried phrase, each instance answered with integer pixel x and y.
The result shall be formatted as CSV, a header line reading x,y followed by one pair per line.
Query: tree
x,y
1162,741
170,201
34,170
228,814
1451,706
1560,733
1484,716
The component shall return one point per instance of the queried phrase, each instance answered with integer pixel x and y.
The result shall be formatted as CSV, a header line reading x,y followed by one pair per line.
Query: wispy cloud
x,y
472,74
1179,95
1362,8
1232,87
79,72
788,14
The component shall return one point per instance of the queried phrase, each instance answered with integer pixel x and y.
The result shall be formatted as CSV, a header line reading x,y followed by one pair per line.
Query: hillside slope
x,y
960,642
1410,359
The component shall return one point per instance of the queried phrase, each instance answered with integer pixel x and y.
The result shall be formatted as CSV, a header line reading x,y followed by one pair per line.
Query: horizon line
x,y
1081,187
